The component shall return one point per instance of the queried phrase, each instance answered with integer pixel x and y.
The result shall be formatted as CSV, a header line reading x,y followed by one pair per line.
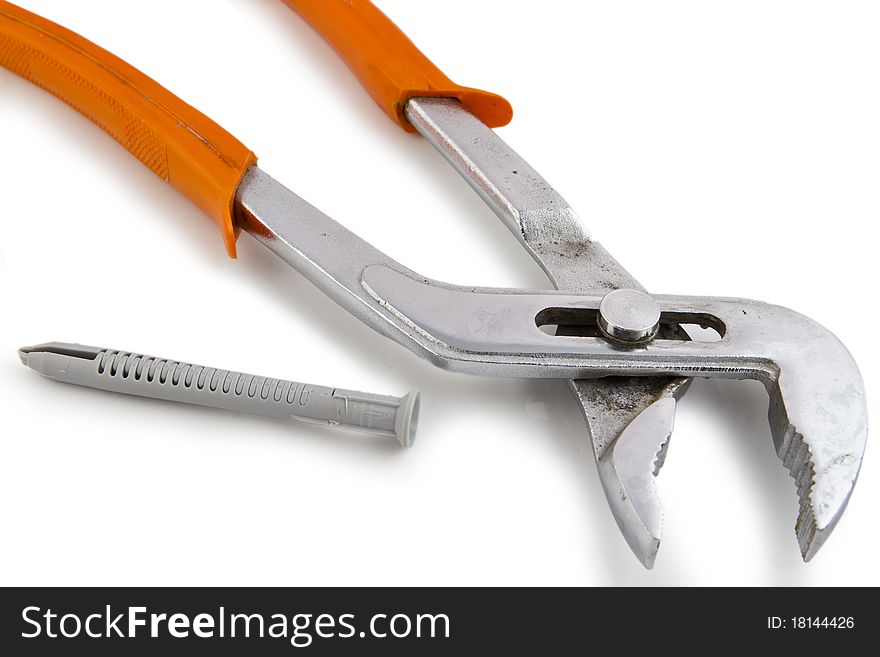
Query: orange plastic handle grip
x,y
177,142
388,64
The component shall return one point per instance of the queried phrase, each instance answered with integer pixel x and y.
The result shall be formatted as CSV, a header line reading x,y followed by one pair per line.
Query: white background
x,y
714,148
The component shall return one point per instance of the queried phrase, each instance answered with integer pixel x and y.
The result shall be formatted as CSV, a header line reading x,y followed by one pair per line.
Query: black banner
x,y
422,621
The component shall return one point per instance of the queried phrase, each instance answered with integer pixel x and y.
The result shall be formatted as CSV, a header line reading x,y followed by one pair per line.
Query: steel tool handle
x,y
177,142
388,64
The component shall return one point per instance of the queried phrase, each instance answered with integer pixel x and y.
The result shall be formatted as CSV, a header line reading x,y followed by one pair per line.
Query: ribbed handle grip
x,y
175,141
388,65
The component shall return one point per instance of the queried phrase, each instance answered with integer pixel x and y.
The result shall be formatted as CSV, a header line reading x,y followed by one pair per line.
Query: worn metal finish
x,y
628,316
551,232
161,378
536,214
817,411
477,330
634,460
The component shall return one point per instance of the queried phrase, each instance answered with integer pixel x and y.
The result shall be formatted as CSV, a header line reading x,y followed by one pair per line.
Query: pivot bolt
x,y
629,316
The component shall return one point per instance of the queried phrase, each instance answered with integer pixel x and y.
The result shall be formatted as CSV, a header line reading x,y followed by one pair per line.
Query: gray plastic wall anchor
x,y
160,378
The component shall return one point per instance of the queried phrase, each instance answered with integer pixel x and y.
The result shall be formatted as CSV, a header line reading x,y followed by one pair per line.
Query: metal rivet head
x,y
629,316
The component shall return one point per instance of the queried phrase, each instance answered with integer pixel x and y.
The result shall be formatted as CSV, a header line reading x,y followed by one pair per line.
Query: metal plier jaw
x,y
817,400
622,350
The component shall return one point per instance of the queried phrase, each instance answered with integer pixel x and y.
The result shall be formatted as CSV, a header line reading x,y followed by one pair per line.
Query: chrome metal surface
x,y
551,232
634,460
817,411
628,316
534,212
477,330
